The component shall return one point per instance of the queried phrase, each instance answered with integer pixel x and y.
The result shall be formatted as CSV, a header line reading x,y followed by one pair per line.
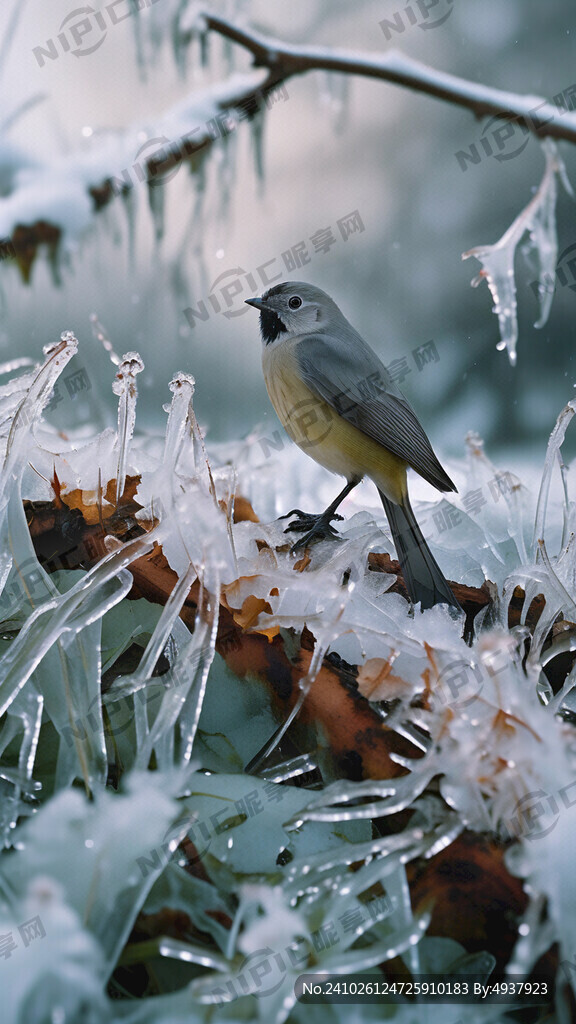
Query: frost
x,y
112,692
538,220
113,831
62,962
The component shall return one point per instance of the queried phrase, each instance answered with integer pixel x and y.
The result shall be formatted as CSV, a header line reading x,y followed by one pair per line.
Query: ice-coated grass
x,y
496,742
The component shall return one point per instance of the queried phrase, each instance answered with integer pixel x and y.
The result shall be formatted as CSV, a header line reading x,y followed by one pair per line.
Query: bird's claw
x,y
295,512
317,528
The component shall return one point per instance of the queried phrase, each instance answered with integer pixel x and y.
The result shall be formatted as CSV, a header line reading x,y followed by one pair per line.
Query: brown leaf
x,y
476,900
303,562
376,682
243,511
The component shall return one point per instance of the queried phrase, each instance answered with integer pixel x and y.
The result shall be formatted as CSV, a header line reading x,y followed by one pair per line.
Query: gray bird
x,y
338,402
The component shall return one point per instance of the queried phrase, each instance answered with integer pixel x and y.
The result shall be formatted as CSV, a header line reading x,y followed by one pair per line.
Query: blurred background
x,y
370,165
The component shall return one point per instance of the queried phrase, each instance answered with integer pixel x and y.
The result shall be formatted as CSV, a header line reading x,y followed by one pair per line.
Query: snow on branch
x,y
54,202
538,220
283,61
57,201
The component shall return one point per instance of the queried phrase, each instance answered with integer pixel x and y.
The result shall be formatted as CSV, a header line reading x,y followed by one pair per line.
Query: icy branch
x,y
61,198
54,201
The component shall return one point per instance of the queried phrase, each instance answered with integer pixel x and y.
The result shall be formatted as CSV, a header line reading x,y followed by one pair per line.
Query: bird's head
x,y
292,309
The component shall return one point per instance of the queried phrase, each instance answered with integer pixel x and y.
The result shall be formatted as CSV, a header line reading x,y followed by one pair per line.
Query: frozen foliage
x,y
290,880
538,221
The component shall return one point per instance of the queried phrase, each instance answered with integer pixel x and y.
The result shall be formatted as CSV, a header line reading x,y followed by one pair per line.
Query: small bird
x,y
338,402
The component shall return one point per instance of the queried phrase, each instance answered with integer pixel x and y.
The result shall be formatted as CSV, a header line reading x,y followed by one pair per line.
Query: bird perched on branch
x,y
338,402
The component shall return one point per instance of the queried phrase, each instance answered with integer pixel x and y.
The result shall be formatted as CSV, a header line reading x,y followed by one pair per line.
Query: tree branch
x,y
284,61
20,240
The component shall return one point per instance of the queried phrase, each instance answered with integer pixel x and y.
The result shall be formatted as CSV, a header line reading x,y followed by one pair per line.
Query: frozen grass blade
x,y
127,390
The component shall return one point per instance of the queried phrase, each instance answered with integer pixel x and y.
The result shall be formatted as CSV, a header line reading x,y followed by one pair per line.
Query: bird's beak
x,y
257,303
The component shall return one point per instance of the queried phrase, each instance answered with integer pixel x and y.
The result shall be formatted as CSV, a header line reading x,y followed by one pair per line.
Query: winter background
x,y
334,146
84,865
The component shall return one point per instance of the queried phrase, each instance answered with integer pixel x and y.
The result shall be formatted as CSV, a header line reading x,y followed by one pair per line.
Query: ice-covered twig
x,y
56,200
32,213
538,219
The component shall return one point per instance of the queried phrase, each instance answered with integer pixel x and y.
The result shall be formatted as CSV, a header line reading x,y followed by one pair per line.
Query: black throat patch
x,y
271,325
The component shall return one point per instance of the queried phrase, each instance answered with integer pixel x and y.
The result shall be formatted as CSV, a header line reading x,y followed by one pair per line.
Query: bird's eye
x,y
295,302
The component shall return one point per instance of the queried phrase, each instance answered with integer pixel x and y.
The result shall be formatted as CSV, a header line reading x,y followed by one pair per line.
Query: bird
x,y
338,402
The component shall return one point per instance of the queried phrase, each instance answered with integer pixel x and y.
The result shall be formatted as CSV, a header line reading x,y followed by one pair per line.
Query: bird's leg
x,y
318,527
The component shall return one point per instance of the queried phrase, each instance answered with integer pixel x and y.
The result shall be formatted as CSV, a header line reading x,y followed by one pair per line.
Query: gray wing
x,y
347,374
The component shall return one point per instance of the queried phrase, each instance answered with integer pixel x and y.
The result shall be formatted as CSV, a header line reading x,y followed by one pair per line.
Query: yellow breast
x,y
321,432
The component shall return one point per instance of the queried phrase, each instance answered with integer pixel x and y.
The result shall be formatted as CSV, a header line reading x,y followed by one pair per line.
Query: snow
x,y
58,192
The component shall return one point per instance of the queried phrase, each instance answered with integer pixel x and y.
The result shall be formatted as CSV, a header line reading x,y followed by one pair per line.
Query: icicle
x,y
125,685
191,953
538,219
58,355
184,448
157,206
182,387
137,28
226,170
340,801
100,589
200,454
128,197
126,388
291,769
193,236
206,641
28,708
552,455
257,134
188,25
543,245
204,41
334,97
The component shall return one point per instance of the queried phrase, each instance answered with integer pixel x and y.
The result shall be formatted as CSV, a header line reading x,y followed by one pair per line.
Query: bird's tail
x,y
424,579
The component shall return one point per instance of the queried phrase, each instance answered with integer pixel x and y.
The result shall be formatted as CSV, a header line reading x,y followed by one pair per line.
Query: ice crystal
x,y
127,390
538,220
101,688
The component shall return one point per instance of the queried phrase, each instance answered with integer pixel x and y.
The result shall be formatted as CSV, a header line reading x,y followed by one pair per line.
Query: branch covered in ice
x,y
538,220
56,200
